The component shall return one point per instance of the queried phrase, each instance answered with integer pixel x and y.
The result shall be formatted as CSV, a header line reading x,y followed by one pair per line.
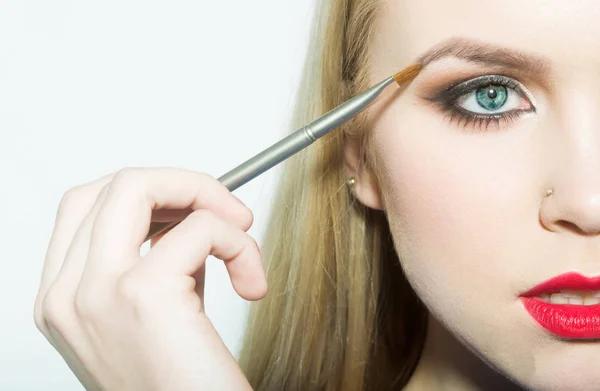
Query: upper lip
x,y
572,281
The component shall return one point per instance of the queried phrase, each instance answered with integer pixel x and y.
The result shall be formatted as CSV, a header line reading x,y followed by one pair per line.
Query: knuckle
x,y
104,190
70,198
79,195
126,175
103,193
126,179
54,309
38,318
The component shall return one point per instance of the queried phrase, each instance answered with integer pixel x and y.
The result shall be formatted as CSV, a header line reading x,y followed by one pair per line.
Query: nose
x,y
576,209
575,203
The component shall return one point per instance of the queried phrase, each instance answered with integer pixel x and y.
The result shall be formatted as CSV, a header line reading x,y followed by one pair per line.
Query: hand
x,y
126,322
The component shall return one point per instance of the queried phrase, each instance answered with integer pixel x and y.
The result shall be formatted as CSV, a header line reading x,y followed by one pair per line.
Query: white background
x,y
88,87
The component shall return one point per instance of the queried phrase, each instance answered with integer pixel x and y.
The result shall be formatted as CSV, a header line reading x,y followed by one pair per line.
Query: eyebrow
x,y
486,54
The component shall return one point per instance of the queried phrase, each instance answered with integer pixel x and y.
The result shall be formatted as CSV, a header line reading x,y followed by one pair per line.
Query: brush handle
x,y
290,145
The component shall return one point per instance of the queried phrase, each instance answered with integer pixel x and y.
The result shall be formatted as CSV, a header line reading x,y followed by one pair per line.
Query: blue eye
x,y
492,97
489,99
484,100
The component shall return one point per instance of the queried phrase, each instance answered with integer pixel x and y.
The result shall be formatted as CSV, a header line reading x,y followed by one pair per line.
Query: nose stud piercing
x,y
549,192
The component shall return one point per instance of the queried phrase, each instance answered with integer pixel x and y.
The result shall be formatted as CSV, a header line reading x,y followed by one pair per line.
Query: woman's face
x,y
464,174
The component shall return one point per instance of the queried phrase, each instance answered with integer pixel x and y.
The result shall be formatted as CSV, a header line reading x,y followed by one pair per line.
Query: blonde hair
x,y
339,314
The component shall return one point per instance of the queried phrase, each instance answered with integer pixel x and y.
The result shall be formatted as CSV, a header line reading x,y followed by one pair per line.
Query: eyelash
x,y
447,101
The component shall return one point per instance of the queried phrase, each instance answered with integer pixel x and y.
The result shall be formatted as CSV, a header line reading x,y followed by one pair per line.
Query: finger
x,y
70,275
124,218
74,207
72,211
183,251
64,328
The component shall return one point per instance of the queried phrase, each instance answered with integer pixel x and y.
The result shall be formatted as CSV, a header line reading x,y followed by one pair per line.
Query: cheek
x,y
454,199
463,208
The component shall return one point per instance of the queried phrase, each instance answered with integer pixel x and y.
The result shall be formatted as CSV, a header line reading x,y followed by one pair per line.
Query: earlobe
x,y
366,191
364,187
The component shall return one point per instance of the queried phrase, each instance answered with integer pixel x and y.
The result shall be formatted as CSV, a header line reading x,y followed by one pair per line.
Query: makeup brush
x,y
301,138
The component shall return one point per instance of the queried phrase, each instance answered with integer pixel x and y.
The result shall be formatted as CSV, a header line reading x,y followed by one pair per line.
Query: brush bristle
x,y
407,73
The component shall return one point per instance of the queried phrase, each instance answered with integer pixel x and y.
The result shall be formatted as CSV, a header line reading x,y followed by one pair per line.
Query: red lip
x,y
565,320
574,281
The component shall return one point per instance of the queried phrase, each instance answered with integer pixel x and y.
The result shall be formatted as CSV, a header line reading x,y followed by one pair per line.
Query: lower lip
x,y
565,320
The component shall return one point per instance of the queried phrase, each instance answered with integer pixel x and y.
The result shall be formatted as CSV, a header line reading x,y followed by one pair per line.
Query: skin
x,y
467,206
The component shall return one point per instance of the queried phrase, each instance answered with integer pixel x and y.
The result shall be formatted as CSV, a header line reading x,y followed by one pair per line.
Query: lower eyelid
x,y
483,121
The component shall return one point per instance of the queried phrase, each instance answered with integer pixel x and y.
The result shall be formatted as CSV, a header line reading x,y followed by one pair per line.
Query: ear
x,y
365,189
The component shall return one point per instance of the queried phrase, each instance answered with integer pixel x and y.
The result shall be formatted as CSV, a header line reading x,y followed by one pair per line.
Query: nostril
x,y
576,228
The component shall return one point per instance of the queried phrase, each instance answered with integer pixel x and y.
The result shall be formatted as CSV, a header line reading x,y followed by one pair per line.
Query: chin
x,y
572,366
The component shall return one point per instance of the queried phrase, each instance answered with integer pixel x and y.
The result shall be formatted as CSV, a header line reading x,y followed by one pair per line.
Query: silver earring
x,y
351,182
549,192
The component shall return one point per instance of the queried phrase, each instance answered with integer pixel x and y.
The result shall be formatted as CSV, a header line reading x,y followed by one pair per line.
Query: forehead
x,y
566,32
